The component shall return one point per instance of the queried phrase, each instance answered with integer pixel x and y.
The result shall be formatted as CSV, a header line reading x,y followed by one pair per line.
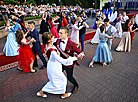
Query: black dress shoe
x,y
19,69
75,89
34,71
35,65
42,67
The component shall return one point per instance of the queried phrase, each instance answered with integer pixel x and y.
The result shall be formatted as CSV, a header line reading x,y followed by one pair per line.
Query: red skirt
x,y
26,57
54,32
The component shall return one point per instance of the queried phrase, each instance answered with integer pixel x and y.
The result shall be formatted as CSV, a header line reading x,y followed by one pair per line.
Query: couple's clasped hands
x,y
33,40
79,56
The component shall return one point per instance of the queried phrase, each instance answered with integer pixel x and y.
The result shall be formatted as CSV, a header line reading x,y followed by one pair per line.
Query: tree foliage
x,y
82,3
10,2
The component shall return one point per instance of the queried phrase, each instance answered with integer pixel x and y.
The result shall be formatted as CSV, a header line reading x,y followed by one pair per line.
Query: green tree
x,y
31,2
10,2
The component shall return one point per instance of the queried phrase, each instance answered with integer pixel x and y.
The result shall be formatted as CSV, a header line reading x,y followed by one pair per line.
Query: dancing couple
x,y
61,56
26,56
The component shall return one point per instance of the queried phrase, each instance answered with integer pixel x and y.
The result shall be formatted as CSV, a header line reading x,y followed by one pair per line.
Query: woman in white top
x,y
75,32
125,43
34,13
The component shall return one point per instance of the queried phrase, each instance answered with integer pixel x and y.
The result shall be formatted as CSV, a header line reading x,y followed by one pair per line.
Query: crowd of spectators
x,y
30,10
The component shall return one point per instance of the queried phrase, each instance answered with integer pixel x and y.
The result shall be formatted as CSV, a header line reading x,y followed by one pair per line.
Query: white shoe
x,y
91,65
104,64
69,94
38,94
91,42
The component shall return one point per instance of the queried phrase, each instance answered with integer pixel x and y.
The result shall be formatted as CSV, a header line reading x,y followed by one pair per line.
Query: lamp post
x,y
117,5
95,4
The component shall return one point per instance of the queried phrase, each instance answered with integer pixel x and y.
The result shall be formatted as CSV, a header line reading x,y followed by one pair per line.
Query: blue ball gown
x,y
102,53
11,46
95,25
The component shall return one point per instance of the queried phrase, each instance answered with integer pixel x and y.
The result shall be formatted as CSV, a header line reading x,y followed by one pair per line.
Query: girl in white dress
x,y
75,32
119,26
125,43
95,39
57,80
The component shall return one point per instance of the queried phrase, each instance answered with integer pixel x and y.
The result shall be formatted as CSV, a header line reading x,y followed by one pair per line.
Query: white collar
x,y
107,27
65,40
32,30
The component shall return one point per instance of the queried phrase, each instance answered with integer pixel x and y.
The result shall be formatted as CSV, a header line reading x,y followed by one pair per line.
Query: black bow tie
x,y
62,41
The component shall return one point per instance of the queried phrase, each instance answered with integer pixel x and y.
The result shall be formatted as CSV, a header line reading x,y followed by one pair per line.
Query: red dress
x,y
120,18
25,57
132,35
54,30
64,22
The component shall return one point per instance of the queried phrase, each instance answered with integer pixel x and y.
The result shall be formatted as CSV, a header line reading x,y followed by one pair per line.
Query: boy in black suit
x,y
36,45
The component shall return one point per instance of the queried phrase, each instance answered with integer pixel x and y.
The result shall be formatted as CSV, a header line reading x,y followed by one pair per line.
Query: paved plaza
x,y
116,82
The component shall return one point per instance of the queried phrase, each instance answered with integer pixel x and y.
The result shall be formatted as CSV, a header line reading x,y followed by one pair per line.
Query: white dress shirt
x,y
113,29
126,18
83,26
63,45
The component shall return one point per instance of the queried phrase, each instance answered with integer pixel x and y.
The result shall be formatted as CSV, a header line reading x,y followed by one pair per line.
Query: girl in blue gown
x,y
95,25
103,53
11,46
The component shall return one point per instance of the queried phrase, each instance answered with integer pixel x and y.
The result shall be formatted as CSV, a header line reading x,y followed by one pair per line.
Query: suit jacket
x,y
16,27
70,49
43,27
19,21
22,21
82,30
34,34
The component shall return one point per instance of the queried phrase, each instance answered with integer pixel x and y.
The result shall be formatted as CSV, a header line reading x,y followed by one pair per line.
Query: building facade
x,y
121,4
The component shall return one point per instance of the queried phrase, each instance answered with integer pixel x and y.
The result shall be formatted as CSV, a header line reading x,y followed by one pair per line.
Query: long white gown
x,y
125,43
96,39
119,26
57,80
75,33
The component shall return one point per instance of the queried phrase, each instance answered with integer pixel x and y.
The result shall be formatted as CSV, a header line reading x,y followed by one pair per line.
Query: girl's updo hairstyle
x,y
46,36
102,27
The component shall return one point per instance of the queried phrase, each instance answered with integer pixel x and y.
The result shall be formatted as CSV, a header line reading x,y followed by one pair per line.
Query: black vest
x,y
83,30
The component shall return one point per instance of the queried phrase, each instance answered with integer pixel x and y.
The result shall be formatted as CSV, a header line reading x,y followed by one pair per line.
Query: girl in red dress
x,y
64,21
133,29
26,56
53,28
